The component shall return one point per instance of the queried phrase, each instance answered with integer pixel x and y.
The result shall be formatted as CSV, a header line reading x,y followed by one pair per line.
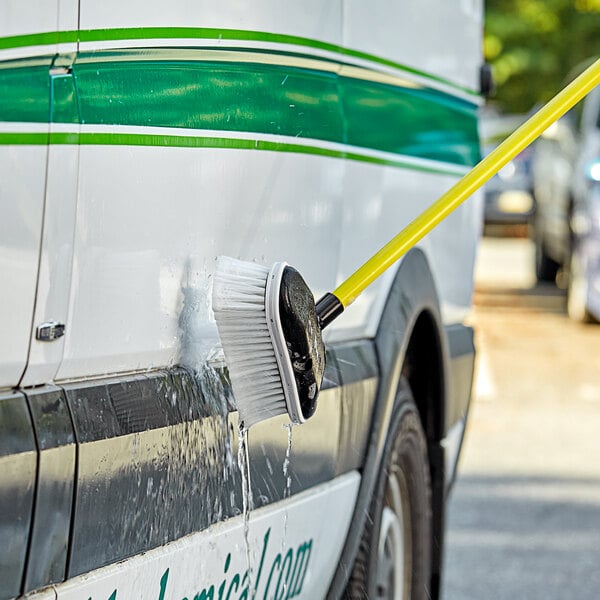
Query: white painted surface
x,y
18,17
22,190
452,247
149,220
22,179
378,203
55,261
163,215
198,561
68,15
24,17
416,34
439,38
313,18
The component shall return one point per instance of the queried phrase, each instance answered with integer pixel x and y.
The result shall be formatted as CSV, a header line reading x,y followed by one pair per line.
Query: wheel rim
x,y
394,551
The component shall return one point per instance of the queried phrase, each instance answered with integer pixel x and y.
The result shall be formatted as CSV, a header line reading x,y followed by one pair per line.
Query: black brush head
x,y
303,337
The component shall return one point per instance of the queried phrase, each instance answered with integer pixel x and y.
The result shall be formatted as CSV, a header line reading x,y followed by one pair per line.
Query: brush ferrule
x,y
328,308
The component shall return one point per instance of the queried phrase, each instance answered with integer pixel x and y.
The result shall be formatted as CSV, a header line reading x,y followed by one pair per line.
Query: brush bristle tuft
x,y
239,307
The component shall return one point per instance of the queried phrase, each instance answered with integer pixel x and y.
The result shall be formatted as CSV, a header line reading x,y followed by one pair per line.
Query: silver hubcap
x,y
394,552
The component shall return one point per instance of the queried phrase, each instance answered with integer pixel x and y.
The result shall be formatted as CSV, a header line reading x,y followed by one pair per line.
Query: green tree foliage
x,y
534,46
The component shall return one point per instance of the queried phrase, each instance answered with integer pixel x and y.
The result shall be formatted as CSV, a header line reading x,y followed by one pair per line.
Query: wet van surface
x,y
138,142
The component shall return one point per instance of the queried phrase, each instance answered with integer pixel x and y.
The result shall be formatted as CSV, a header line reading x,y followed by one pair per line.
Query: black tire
x,y
403,486
546,268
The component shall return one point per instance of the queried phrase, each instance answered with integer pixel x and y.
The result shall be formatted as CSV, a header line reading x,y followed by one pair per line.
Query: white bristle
x,y
239,307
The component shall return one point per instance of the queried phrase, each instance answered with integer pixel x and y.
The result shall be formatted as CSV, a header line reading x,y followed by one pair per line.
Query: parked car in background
x,y
566,229
508,195
552,168
584,266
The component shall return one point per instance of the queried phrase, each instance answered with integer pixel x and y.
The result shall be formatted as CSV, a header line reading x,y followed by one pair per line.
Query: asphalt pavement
x,y
524,516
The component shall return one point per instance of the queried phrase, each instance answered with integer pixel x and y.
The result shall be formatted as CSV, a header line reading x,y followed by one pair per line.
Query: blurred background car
x,y
583,299
552,167
508,195
566,225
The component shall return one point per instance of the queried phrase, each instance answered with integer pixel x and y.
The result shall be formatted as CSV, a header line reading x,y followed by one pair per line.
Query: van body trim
x,y
169,34
374,118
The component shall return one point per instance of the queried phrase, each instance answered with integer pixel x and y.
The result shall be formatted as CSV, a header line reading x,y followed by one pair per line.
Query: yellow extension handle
x,y
349,290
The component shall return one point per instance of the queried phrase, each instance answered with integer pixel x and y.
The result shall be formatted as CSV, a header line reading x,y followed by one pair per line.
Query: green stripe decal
x,y
25,91
174,141
180,33
272,99
248,97
47,38
24,139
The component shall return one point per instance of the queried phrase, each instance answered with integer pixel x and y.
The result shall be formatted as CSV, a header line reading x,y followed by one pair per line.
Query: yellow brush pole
x,y
348,291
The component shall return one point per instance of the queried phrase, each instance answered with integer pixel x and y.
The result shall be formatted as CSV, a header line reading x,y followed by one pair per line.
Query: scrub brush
x,y
271,339
270,326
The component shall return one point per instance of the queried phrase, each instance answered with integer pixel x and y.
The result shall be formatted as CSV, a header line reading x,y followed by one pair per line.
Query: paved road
x,y
524,516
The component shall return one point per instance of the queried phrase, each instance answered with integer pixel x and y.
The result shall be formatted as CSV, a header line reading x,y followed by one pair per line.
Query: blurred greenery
x,y
534,47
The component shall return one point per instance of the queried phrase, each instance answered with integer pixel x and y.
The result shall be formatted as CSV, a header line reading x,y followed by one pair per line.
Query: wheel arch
x,y
409,342
423,366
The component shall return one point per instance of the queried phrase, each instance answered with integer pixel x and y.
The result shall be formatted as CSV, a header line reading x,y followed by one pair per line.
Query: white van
x,y
138,141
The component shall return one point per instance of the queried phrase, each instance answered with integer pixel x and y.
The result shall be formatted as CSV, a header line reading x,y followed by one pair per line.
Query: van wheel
x,y
394,558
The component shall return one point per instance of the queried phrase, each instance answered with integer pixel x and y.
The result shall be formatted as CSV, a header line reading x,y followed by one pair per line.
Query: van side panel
x,y
201,145
409,32
313,18
380,201
24,109
18,460
28,42
151,222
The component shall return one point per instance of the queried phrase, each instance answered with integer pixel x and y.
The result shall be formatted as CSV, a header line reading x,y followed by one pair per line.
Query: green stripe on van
x,y
175,141
273,99
178,33
25,90
253,98
45,38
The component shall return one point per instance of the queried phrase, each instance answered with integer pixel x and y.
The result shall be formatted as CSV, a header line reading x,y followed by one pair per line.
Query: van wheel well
x,y
423,367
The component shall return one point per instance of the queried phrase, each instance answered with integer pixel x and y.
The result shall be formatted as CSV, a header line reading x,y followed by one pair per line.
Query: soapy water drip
x,y
202,351
286,462
287,491
211,436
247,498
